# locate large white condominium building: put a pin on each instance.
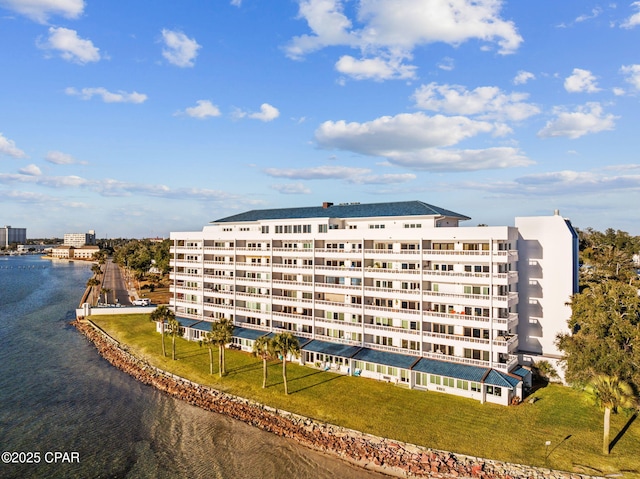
(392, 291)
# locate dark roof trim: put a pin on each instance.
(351, 210)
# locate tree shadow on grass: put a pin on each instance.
(623, 431)
(320, 380)
(316, 384)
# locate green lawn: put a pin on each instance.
(513, 434)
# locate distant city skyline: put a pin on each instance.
(139, 119)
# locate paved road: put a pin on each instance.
(114, 281)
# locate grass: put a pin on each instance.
(513, 434)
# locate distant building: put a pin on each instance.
(391, 291)
(71, 252)
(9, 235)
(80, 239)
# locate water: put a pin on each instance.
(57, 394)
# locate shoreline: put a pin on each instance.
(386, 456)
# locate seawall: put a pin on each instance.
(390, 457)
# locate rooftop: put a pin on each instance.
(348, 210)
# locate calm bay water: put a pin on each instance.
(57, 394)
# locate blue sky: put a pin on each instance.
(139, 118)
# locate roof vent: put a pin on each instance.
(556, 212)
(326, 205)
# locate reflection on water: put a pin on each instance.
(57, 394)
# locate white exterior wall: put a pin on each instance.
(210, 281)
(548, 249)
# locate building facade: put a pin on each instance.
(9, 235)
(393, 291)
(80, 239)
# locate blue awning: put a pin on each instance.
(248, 333)
(384, 358)
(188, 323)
(332, 349)
(466, 372)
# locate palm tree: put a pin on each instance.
(162, 314)
(222, 332)
(105, 291)
(610, 393)
(93, 281)
(285, 344)
(173, 328)
(263, 348)
(209, 342)
(96, 270)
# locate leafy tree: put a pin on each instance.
(162, 314)
(285, 344)
(222, 332)
(161, 255)
(608, 255)
(263, 348)
(544, 370)
(605, 325)
(609, 393)
(173, 329)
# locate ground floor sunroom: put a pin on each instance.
(415, 372)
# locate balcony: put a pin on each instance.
(330, 287)
(400, 313)
(391, 329)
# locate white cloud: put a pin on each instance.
(406, 131)
(203, 109)
(179, 50)
(588, 118)
(292, 189)
(107, 96)
(360, 176)
(384, 179)
(327, 172)
(565, 182)
(236, 3)
(447, 64)
(115, 188)
(436, 159)
(70, 46)
(41, 10)
(31, 170)
(581, 81)
(266, 113)
(374, 68)
(634, 19)
(390, 30)
(59, 158)
(523, 77)
(8, 147)
(632, 73)
(416, 141)
(486, 102)
(595, 12)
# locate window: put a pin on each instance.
(322, 228)
(475, 387)
(264, 229)
(435, 379)
(460, 384)
(449, 382)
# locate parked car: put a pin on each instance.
(141, 302)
